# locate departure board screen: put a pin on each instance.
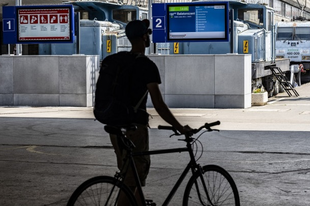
(197, 22)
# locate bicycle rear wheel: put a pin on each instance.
(101, 190)
(221, 188)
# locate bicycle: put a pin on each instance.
(209, 185)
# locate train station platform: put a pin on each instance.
(46, 152)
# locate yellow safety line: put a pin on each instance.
(32, 149)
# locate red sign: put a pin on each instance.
(44, 24)
(43, 19)
(53, 19)
(23, 19)
(63, 18)
(34, 19)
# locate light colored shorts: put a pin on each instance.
(140, 138)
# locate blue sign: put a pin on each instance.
(38, 24)
(159, 22)
(191, 22)
(9, 25)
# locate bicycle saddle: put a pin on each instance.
(117, 130)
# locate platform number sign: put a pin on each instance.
(159, 23)
(159, 26)
(8, 25)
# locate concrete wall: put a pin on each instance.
(188, 81)
(205, 81)
(47, 80)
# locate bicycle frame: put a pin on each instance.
(192, 165)
(100, 188)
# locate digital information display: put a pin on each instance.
(38, 24)
(197, 21)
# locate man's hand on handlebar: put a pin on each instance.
(185, 129)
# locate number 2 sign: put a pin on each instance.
(158, 22)
(159, 29)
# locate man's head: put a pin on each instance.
(139, 30)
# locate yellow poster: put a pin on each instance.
(176, 47)
(109, 45)
(245, 46)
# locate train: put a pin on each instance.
(293, 42)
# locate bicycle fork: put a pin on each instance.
(118, 177)
(200, 173)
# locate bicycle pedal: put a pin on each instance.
(150, 203)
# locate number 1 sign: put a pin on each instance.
(9, 25)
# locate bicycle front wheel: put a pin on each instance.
(102, 190)
(221, 189)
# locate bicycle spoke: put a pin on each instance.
(101, 191)
(94, 195)
(218, 188)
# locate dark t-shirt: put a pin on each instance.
(144, 71)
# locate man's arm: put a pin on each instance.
(162, 109)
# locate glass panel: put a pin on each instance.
(302, 33)
(295, 11)
(144, 16)
(124, 15)
(288, 10)
(270, 21)
(277, 6)
(270, 3)
(254, 16)
(285, 33)
(84, 15)
(282, 9)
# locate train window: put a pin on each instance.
(269, 21)
(302, 33)
(254, 16)
(124, 15)
(285, 33)
(84, 15)
(143, 16)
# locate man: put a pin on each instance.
(145, 77)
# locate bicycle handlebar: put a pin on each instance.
(193, 131)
